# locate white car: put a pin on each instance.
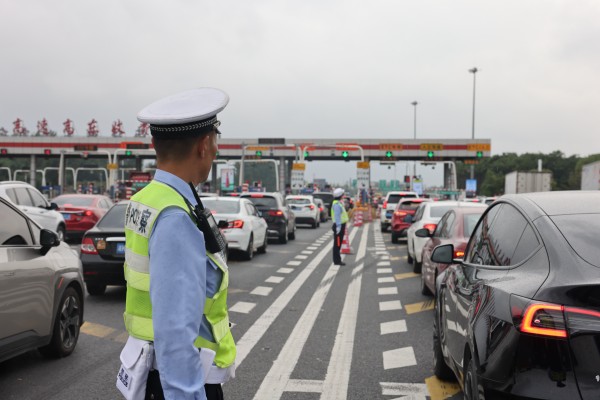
(305, 210)
(427, 216)
(33, 203)
(246, 230)
(389, 205)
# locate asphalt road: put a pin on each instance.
(305, 329)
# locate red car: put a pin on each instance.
(400, 223)
(454, 228)
(81, 211)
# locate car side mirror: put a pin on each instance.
(48, 239)
(423, 232)
(53, 206)
(222, 224)
(443, 254)
(409, 219)
(260, 214)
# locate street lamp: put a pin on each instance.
(414, 103)
(474, 72)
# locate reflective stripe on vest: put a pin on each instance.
(140, 217)
(344, 216)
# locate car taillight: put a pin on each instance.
(385, 204)
(274, 213)
(87, 246)
(430, 227)
(311, 207)
(88, 213)
(320, 208)
(580, 320)
(544, 320)
(399, 213)
(237, 224)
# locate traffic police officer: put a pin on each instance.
(340, 218)
(177, 288)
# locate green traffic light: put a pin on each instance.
(306, 154)
(345, 154)
(430, 154)
(479, 154)
(388, 154)
(128, 153)
(258, 153)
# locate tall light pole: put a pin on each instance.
(474, 72)
(414, 103)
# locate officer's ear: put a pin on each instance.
(202, 145)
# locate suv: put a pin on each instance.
(305, 210)
(41, 282)
(402, 216)
(33, 203)
(327, 198)
(389, 204)
(281, 222)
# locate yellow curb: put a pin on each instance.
(419, 307)
(439, 390)
(405, 275)
(90, 328)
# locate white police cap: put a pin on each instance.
(186, 114)
(338, 192)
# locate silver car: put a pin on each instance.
(41, 288)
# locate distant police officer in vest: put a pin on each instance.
(177, 277)
(340, 218)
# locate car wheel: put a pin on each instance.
(472, 389)
(314, 224)
(95, 289)
(394, 237)
(440, 368)
(383, 227)
(263, 249)
(410, 259)
(249, 253)
(61, 232)
(292, 234)
(424, 289)
(284, 236)
(66, 326)
(416, 266)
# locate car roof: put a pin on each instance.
(556, 203)
(457, 204)
(15, 183)
(223, 198)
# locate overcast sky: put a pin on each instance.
(315, 68)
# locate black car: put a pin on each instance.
(280, 219)
(327, 198)
(519, 315)
(103, 251)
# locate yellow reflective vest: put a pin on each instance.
(344, 217)
(140, 217)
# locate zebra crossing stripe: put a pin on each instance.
(393, 327)
(399, 358)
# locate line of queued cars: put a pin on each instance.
(516, 286)
(247, 221)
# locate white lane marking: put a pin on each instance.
(398, 358)
(384, 257)
(301, 257)
(383, 263)
(306, 252)
(275, 382)
(381, 252)
(384, 270)
(390, 305)
(387, 279)
(393, 327)
(284, 270)
(382, 291)
(274, 279)
(294, 263)
(262, 290)
(312, 248)
(406, 391)
(304, 386)
(362, 247)
(262, 324)
(242, 307)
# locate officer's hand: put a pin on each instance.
(338, 229)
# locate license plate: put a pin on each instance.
(120, 249)
(67, 217)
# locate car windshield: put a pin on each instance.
(326, 197)
(409, 205)
(74, 201)
(439, 211)
(222, 207)
(114, 218)
(298, 201)
(395, 198)
(263, 202)
(581, 231)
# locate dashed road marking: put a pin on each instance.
(419, 307)
(262, 290)
(385, 279)
(274, 279)
(393, 327)
(395, 258)
(294, 263)
(399, 358)
(390, 305)
(301, 257)
(242, 307)
(384, 270)
(383, 264)
(387, 290)
(284, 270)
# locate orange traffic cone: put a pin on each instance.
(358, 219)
(346, 249)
